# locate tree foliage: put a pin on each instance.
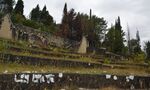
(135, 45)
(35, 14)
(64, 27)
(75, 25)
(45, 17)
(138, 48)
(19, 8)
(10, 4)
(115, 38)
(147, 49)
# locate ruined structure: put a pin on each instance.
(5, 30)
(83, 46)
(8, 30)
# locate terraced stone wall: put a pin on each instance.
(57, 81)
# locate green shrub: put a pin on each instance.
(31, 23)
(17, 18)
(3, 46)
(139, 57)
(107, 61)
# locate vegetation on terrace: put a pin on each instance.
(74, 25)
(19, 68)
(119, 67)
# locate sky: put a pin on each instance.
(135, 13)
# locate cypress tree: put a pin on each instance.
(138, 46)
(147, 49)
(64, 25)
(119, 37)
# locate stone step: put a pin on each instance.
(32, 60)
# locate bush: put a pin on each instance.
(31, 23)
(139, 57)
(20, 19)
(107, 61)
(17, 18)
(3, 46)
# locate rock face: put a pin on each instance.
(83, 45)
(5, 30)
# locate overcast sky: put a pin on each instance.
(134, 12)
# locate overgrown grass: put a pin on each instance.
(27, 51)
(19, 68)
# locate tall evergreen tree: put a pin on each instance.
(119, 37)
(78, 27)
(137, 49)
(71, 18)
(45, 17)
(41, 16)
(10, 4)
(115, 38)
(110, 39)
(19, 8)
(147, 49)
(138, 37)
(65, 25)
(129, 40)
(35, 14)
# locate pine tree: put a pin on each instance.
(19, 8)
(41, 16)
(45, 17)
(119, 37)
(147, 49)
(137, 49)
(129, 40)
(65, 25)
(77, 31)
(71, 18)
(35, 14)
(110, 39)
(115, 38)
(10, 4)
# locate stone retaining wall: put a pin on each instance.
(49, 81)
(46, 61)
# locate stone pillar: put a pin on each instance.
(5, 31)
(83, 46)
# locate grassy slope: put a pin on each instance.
(18, 68)
(14, 67)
